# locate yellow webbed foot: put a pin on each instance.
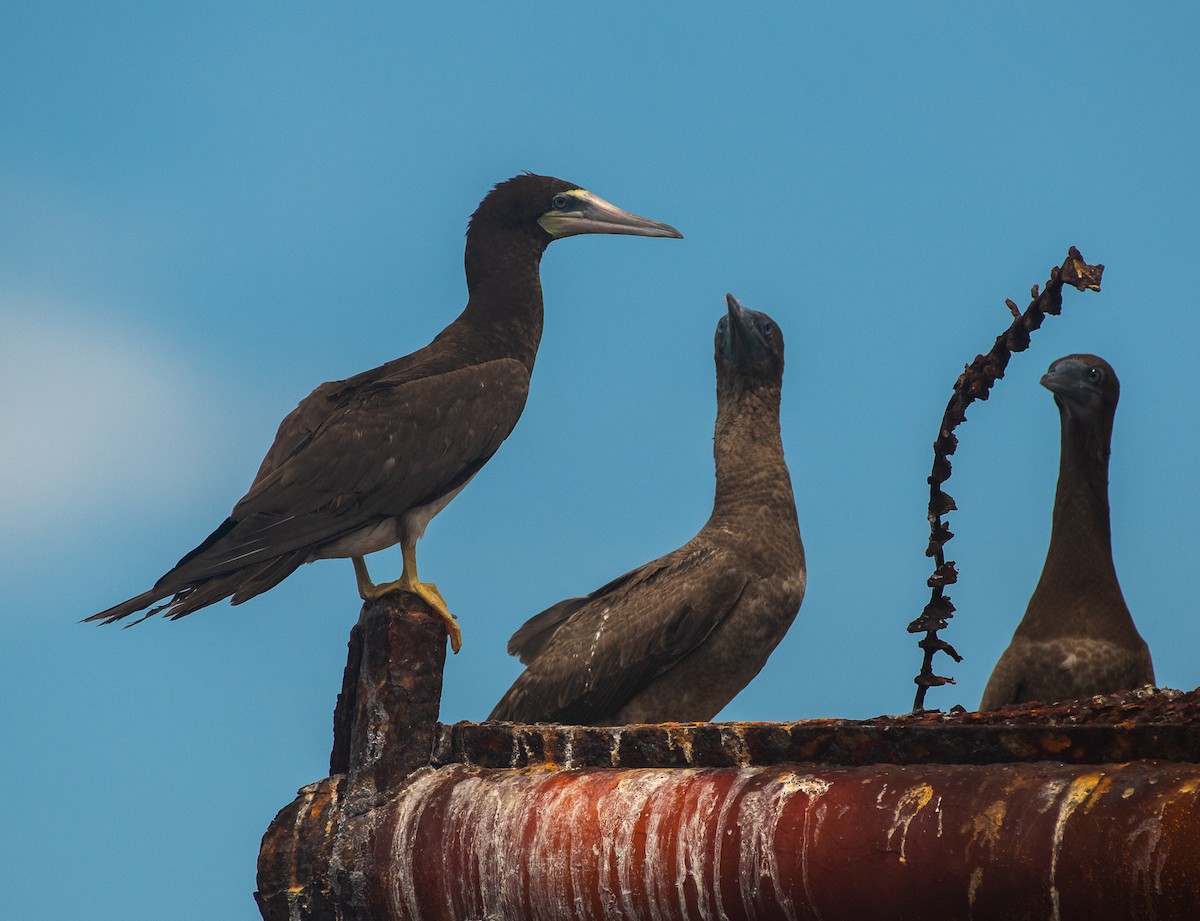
(426, 591)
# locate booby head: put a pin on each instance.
(554, 208)
(1084, 386)
(749, 343)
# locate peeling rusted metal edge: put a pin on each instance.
(1157, 724)
(832, 742)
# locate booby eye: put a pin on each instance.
(561, 202)
(1095, 375)
(768, 327)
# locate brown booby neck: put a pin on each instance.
(1079, 579)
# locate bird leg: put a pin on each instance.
(408, 582)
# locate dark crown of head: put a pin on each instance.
(519, 201)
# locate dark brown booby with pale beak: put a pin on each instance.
(1077, 637)
(364, 463)
(678, 638)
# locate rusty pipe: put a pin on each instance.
(1002, 842)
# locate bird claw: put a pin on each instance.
(427, 592)
(453, 631)
(431, 593)
(431, 596)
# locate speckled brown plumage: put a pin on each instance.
(364, 463)
(678, 638)
(1077, 637)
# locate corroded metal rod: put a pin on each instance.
(386, 716)
(384, 728)
(973, 384)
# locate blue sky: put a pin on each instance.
(206, 212)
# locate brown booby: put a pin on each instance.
(364, 463)
(678, 638)
(1077, 637)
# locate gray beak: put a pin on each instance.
(738, 335)
(595, 215)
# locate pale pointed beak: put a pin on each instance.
(595, 215)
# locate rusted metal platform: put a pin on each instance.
(1081, 811)
(1162, 724)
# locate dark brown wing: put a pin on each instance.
(382, 449)
(532, 636)
(390, 448)
(589, 656)
(316, 409)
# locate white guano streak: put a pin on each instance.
(908, 805)
(402, 895)
(814, 788)
(696, 808)
(1077, 793)
(662, 831)
(760, 812)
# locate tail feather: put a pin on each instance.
(243, 584)
(267, 575)
(200, 595)
(133, 605)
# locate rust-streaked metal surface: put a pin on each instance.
(789, 842)
(297, 856)
(1076, 811)
(384, 725)
(386, 716)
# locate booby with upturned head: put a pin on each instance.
(1077, 637)
(678, 638)
(364, 463)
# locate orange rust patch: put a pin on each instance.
(1102, 788)
(1055, 743)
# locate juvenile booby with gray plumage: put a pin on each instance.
(678, 638)
(1077, 637)
(364, 463)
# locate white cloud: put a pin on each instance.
(89, 415)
